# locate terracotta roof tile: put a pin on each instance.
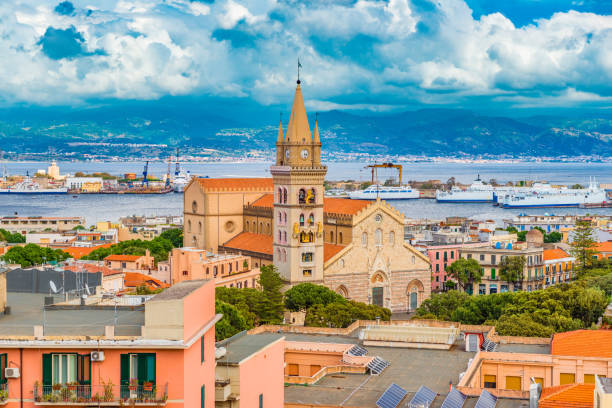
(265, 184)
(122, 258)
(79, 252)
(584, 343)
(330, 250)
(136, 279)
(604, 246)
(266, 201)
(344, 205)
(568, 396)
(91, 268)
(556, 253)
(248, 241)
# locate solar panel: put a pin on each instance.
(377, 365)
(488, 345)
(454, 399)
(423, 398)
(486, 400)
(391, 397)
(357, 351)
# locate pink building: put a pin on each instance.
(441, 256)
(239, 381)
(163, 355)
(229, 270)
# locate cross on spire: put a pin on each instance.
(299, 65)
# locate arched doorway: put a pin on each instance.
(342, 291)
(378, 283)
(415, 291)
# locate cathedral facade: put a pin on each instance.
(354, 247)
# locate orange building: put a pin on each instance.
(161, 356)
(130, 262)
(558, 266)
(604, 250)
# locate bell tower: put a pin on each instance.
(298, 198)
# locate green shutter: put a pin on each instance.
(146, 367)
(492, 273)
(125, 369)
(202, 349)
(47, 374)
(260, 400)
(202, 397)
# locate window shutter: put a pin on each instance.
(260, 400)
(125, 369)
(202, 349)
(146, 367)
(202, 397)
(2, 367)
(47, 374)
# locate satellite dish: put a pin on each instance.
(87, 289)
(53, 287)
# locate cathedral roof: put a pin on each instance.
(298, 127)
(248, 241)
(331, 205)
(244, 183)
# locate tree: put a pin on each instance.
(174, 235)
(271, 284)
(466, 272)
(11, 238)
(342, 314)
(78, 228)
(577, 187)
(511, 269)
(233, 321)
(305, 295)
(32, 254)
(442, 305)
(553, 237)
(583, 245)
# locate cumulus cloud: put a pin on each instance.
(360, 54)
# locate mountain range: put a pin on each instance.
(434, 132)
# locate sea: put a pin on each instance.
(108, 207)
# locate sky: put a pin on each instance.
(360, 55)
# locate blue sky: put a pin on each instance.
(371, 55)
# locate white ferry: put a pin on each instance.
(385, 193)
(558, 198)
(477, 192)
(30, 187)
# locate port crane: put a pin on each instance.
(145, 174)
(386, 166)
(168, 173)
(177, 169)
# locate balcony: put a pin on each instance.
(3, 394)
(104, 395)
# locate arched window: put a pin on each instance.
(331, 236)
(247, 227)
(222, 269)
(311, 236)
(340, 237)
(301, 220)
(364, 239)
(310, 196)
(280, 217)
(284, 195)
(284, 255)
(284, 217)
(378, 237)
(280, 236)
(194, 206)
(260, 228)
(189, 226)
(279, 197)
(229, 267)
(413, 259)
(195, 241)
(302, 196)
(200, 226)
(246, 283)
(267, 228)
(392, 238)
(215, 271)
(207, 270)
(311, 219)
(285, 237)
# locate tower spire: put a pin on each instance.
(281, 136)
(315, 136)
(298, 67)
(298, 129)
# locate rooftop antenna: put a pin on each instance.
(299, 65)
(53, 287)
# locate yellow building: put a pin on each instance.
(354, 247)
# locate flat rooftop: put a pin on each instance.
(27, 312)
(179, 291)
(243, 346)
(524, 348)
(409, 368)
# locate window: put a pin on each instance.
(202, 349)
(589, 378)
(392, 238)
(490, 381)
(285, 197)
(302, 196)
(445, 256)
(260, 400)
(301, 220)
(194, 206)
(185, 273)
(215, 271)
(437, 267)
(493, 259)
(413, 259)
(482, 257)
(66, 368)
(207, 270)
(437, 255)
(567, 378)
(339, 237)
(307, 272)
(469, 256)
(378, 237)
(364, 239)
(493, 273)
(482, 289)
(306, 237)
(229, 267)
(311, 219)
(331, 236)
(307, 257)
(3, 365)
(539, 380)
(202, 397)
(452, 254)
(513, 383)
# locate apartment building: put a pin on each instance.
(23, 225)
(161, 354)
(441, 256)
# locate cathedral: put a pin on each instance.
(354, 247)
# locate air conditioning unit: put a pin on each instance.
(97, 356)
(11, 372)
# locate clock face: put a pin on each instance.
(304, 154)
(287, 153)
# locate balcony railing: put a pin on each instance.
(3, 394)
(101, 395)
